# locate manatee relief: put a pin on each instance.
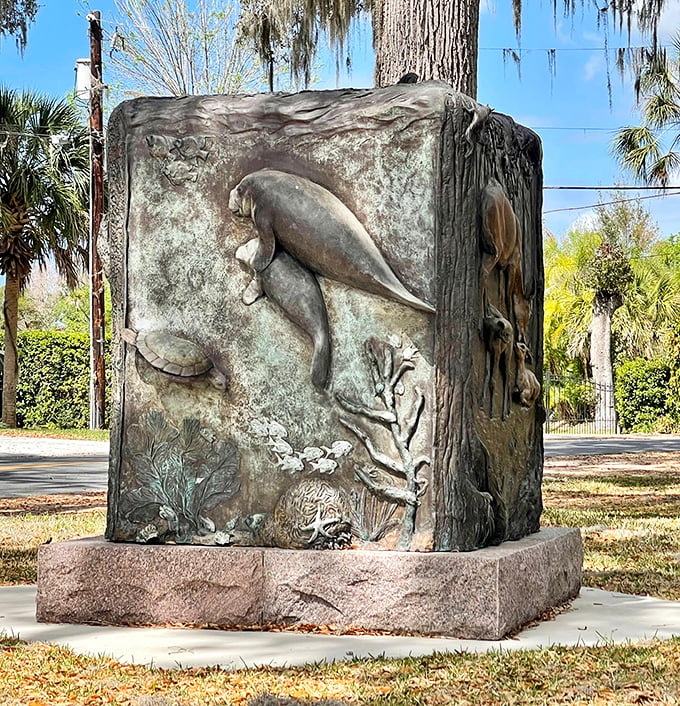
(302, 225)
(327, 321)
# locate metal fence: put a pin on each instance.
(577, 406)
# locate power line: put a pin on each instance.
(609, 203)
(560, 49)
(579, 128)
(614, 188)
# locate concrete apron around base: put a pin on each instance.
(475, 595)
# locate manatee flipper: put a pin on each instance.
(296, 291)
(267, 240)
(321, 360)
(253, 291)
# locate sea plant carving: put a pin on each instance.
(181, 474)
(372, 519)
(319, 459)
(180, 157)
(388, 364)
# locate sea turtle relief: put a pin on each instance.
(327, 339)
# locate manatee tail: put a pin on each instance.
(415, 303)
(321, 360)
(403, 296)
(385, 283)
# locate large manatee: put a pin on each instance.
(296, 292)
(314, 226)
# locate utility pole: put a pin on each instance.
(97, 365)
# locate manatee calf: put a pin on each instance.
(316, 228)
(295, 290)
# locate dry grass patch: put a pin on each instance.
(51, 504)
(22, 534)
(628, 508)
(631, 518)
(39, 674)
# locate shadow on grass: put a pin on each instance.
(641, 481)
(590, 509)
(635, 583)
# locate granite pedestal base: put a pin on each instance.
(476, 595)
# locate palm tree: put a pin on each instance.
(603, 283)
(651, 150)
(646, 324)
(44, 171)
(568, 299)
(437, 39)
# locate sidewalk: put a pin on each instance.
(595, 617)
(47, 447)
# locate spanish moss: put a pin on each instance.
(288, 31)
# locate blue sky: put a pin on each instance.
(569, 110)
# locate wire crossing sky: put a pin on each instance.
(559, 87)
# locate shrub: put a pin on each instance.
(53, 386)
(642, 396)
(576, 400)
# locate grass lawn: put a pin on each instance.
(84, 434)
(628, 508)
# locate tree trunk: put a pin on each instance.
(436, 39)
(604, 307)
(11, 369)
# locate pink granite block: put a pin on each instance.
(482, 594)
(476, 595)
(545, 566)
(95, 581)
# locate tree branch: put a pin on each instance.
(377, 415)
(380, 459)
(400, 496)
(419, 462)
(405, 366)
(411, 424)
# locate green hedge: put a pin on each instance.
(643, 401)
(53, 386)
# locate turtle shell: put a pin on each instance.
(172, 354)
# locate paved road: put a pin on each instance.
(21, 476)
(32, 467)
(558, 445)
(39, 466)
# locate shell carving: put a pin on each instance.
(175, 356)
(312, 514)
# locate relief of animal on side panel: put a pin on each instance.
(498, 339)
(504, 332)
(182, 360)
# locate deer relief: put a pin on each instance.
(527, 387)
(521, 310)
(501, 242)
(498, 335)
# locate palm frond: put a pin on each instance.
(43, 184)
(644, 150)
